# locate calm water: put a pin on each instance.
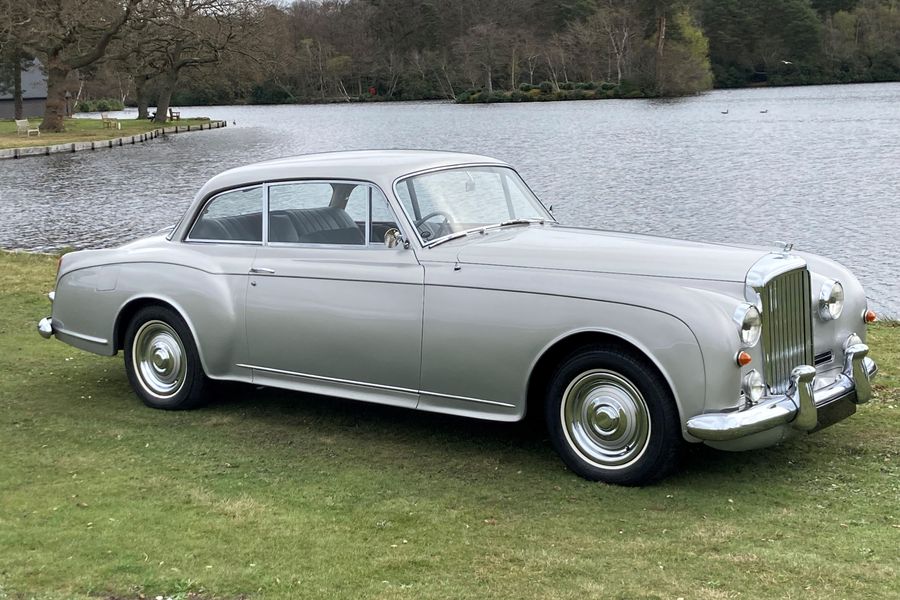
(821, 168)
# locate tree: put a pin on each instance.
(198, 32)
(67, 35)
(483, 46)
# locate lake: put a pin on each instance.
(816, 166)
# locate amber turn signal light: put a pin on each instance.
(869, 316)
(743, 359)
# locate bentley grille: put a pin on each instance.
(786, 327)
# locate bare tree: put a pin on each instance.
(67, 35)
(198, 32)
(617, 21)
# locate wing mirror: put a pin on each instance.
(393, 238)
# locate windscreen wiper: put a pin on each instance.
(519, 222)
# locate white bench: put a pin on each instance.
(23, 128)
(108, 122)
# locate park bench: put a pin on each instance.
(174, 115)
(108, 122)
(23, 128)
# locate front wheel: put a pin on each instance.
(162, 361)
(612, 418)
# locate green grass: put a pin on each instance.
(80, 130)
(267, 494)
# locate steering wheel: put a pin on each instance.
(433, 214)
(445, 224)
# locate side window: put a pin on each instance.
(382, 218)
(315, 213)
(234, 216)
(358, 204)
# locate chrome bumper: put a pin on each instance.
(45, 325)
(798, 407)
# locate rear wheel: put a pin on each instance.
(162, 361)
(611, 417)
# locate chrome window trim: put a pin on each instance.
(367, 245)
(411, 221)
(223, 242)
(189, 240)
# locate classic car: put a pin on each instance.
(438, 281)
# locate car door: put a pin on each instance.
(330, 307)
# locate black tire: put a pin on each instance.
(612, 417)
(162, 362)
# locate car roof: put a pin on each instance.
(379, 166)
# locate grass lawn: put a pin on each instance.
(266, 494)
(80, 130)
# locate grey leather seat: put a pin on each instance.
(325, 225)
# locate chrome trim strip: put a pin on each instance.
(331, 379)
(372, 385)
(468, 399)
(80, 336)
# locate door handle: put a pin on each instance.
(261, 271)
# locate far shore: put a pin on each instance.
(546, 97)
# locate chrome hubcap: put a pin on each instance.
(159, 359)
(605, 419)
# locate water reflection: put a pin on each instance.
(818, 169)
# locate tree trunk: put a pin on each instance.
(489, 76)
(17, 87)
(55, 109)
(165, 97)
(140, 92)
(660, 45)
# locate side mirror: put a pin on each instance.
(393, 238)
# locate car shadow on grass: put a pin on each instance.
(524, 443)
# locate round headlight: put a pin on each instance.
(831, 300)
(750, 322)
(754, 387)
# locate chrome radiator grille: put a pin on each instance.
(786, 327)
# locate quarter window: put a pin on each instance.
(234, 216)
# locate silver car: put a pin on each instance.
(438, 281)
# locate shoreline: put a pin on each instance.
(128, 140)
(382, 100)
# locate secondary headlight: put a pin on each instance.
(753, 385)
(831, 300)
(750, 322)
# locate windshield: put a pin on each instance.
(445, 202)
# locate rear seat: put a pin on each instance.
(326, 225)
(238, 228)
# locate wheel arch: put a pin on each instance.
(132, 306)
(553, 354)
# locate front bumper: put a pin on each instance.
(799, 407)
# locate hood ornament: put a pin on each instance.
(786, 247)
